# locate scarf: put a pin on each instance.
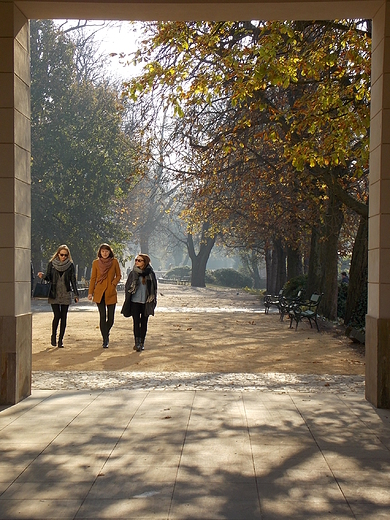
(104, 265)
(61, 266)
(150, 288)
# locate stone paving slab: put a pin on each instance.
(126, 453)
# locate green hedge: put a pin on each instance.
(232, 278)
(223, 277)
(294, 285)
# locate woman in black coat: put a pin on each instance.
(61, 275)
(141, 294)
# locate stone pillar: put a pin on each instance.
(15, 206)
(378, 316)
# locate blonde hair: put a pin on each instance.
(64, 246)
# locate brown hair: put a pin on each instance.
(64, 246)
(108, 248)
(145, 257)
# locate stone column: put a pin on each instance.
(378, 316)
(15, 206)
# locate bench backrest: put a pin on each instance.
(315, 300)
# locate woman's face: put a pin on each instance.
(63, 255)
(105, 253)
(140, 262)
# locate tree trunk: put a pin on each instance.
(329, 257)
(294, 263)
(199, 261)
(314, 274)
(276, 268)
(274, 272)
(358, 271)
(268, 271)
(251, 262)
(178, 255)
(281, 266)
(254, 260)
(144, 243)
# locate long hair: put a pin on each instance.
(107, 248)
(64, 246)
(146, 258)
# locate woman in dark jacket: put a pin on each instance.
(61, 274)
(141, 288)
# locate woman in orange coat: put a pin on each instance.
(105, 276)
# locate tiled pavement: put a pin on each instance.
(194, 454)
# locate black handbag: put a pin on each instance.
(126, 307)
(41, 290)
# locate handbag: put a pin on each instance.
(41, 290)
(126, 307)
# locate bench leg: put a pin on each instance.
(316, 322)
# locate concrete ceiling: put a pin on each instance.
(201, 10)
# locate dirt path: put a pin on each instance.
(196, 330)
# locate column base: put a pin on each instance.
(15, 358)
(378, 361)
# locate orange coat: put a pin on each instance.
(107, 286)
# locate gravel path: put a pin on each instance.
(282, 383)
(175, 301)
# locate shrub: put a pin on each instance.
(232, 278)
(294, 285)
(342, 299)
(209, 277)
(358, 318)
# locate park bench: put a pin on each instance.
(274, 300)
(306, 309)
(184, 280)
(287, 304)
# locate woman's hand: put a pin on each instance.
(76, 299)
(89, 296)
(40, 274)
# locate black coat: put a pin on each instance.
(52, 276)
(149, 306)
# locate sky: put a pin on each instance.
(121, 38)
(118, 37)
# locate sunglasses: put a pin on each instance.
(63, 254)
(139, 260)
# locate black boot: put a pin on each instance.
(142, 343)
(53, 339)
(60, 343)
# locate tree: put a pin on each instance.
(199, 260)
(82, 162)
(300, 90)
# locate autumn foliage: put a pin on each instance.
(272, 132)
